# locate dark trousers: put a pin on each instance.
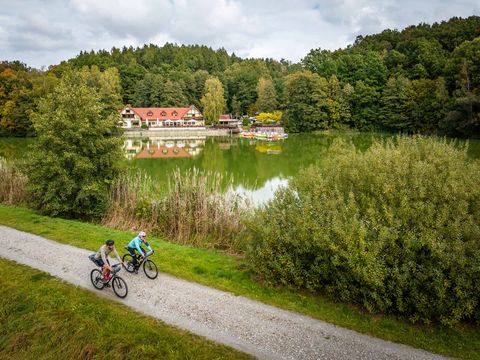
(98, 262)
(132, 252)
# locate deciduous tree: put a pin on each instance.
(77, 154)
(266, 95)
(306, 102)
(213, 101)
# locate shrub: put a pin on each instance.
(395, 229)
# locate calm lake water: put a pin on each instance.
(257, 167)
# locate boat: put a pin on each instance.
(261, 136)
(247, 134)
(270, 136)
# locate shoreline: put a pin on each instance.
(176, 133)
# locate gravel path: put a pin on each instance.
(261, 330)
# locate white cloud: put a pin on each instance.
(41, 32)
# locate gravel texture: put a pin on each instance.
(255, 328)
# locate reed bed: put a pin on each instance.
(195, 209)
(12, 184)
(130, 203)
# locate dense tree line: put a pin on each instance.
(20, 86)
(424, 78)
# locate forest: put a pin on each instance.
(422, 79)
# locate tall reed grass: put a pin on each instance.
(12, 184)
(195, 209)
(130, 202)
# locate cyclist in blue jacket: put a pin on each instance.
(136, 245)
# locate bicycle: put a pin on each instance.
(119, 285)
(149, 267)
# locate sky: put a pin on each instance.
(45, 32)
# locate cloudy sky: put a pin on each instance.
(45, 32)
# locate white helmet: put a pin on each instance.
(142, 234)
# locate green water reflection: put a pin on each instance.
(257, 167)
(250, 162)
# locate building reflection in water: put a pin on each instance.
(163, 147)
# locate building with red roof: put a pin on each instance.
(161, 117)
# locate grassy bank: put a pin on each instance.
(43, 317)
(231, 274)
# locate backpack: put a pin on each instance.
(95, 261)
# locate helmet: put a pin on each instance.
(109, 242)
(142, 234)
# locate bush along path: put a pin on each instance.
(261, 330)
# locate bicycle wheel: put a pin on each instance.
(128, 259)
(96, 278)
(119, 287)
(150, 269)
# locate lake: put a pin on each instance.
(257, 167)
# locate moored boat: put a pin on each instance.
(261, 136)
(270, 136)
(247, 134)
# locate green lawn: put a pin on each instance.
(41, 317)
(231, 274)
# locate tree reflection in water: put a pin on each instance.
(257, 167)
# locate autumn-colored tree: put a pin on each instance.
(20, 87)
(275, 116)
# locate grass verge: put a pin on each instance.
(43, 317)
(229, 273)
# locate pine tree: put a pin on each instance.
(393, 112)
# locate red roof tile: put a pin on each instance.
(161, 113)
(162, 152)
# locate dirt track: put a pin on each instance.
(261, 330)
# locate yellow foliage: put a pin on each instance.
(8, 74)
(7, 108)
(274, 116)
